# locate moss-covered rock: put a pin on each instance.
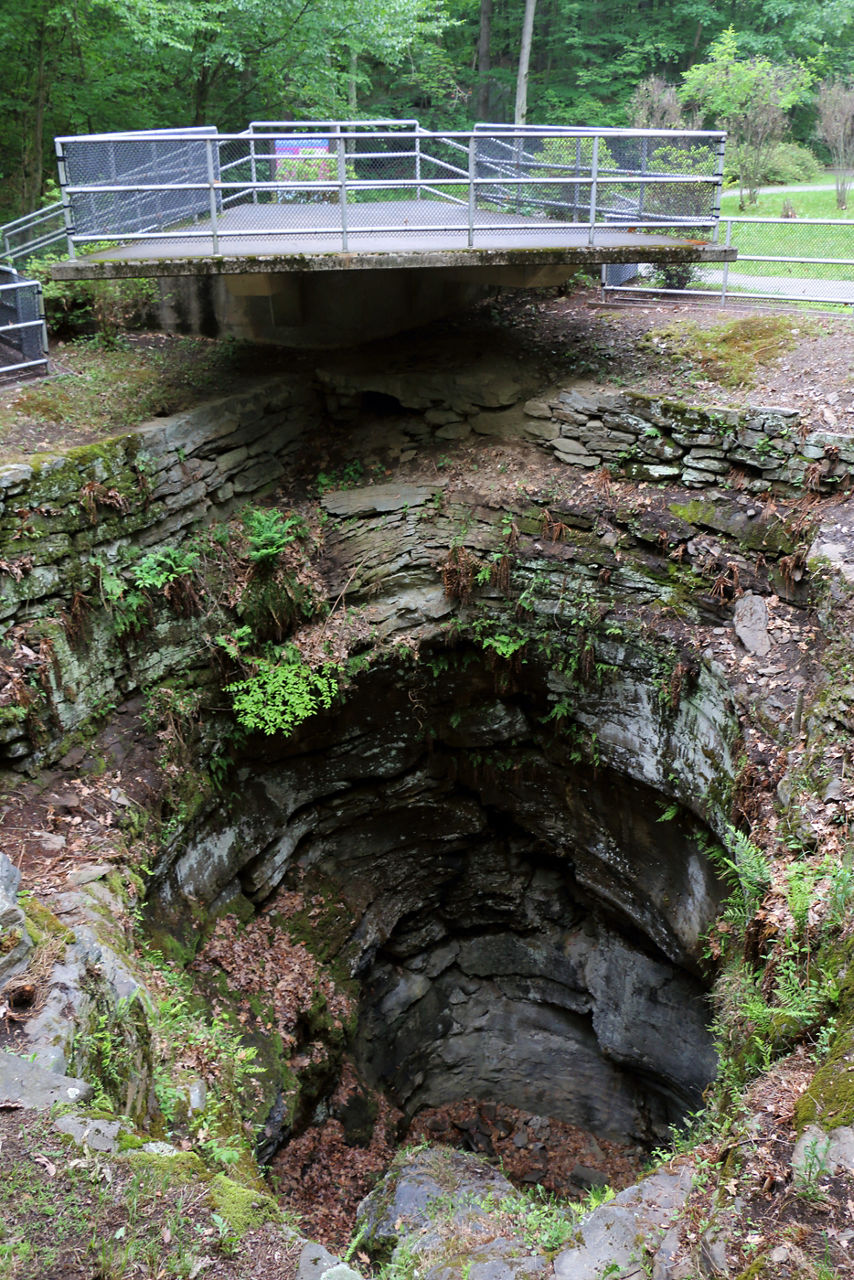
(242, 1207)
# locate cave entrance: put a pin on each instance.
(524, 894)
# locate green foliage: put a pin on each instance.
(790, 162)
(840, 897)
(269, 533)
(100, 307)
(505, 641)
(129, 608)
(749, 98)
(283, 693)
(103, 391)
(272, 602)
(543, 1221)
(346, 477)
(732, 352)
(158, 569)
(183, 1026)
(747, 873)
(107, 1050)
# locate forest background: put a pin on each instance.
(84, 66)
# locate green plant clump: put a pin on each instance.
(269, 533)
(283, 693)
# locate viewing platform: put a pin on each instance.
(323, 233)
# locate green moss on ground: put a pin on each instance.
(241, 1207)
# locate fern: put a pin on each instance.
(283, 693)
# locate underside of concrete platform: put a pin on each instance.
(407, 263)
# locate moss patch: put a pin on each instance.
(241, 1207)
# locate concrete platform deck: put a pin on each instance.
(410, 234)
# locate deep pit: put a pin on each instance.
(468, 901)
(519, 906)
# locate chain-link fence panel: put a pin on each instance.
(32, 235)
(120, 184)
(779, 259)
(23, 336)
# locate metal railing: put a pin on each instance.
(286, 178)
(779, 260)
(29, 236)
(23, 334)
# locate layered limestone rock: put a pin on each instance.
(522, 925)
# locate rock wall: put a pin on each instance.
(64, 519)
(522, 926)
(654, 439)
(641, 436)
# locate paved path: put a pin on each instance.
(794, 288)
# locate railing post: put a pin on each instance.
(718, 174)
(342, 186)
(67, 211)
(594, 174)
(417, 162)
(253, 167)
(42, 321)
(725, 274)
(576, 197)
(209, 145)
(472, 175)
(644, 163)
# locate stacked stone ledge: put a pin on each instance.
(144, 489)
(652, 439)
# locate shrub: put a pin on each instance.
(102, 307)
(787, 162)
(269, 533)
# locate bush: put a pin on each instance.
(792, 162)
(104, 307)
(282, 693)
(787, 162)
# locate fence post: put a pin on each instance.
(576, 197)
(253, 167)
(594, 174)
(719, 175)
(417, 162)
(644, 163)
(472, 174)
(342, 185)
(67, 210)
(725, 273)
(209, 142)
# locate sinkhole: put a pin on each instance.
(522, 865)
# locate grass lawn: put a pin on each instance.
(806, 204)
(792, 238)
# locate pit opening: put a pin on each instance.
(520, 898)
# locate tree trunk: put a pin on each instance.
(33, 158)
(521, 112)
(484, 40)
(352, 94)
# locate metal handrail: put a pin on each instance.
(186, 175)
(30, 245)
(801, 287)
(26, 333)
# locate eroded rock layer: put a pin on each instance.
(523, 925)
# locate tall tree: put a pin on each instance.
(484, 44)
(749, 97)
(520, 113)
